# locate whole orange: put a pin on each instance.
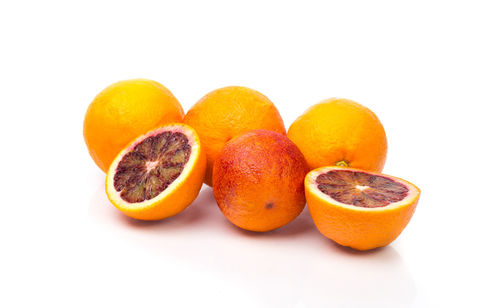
(124, 111)
(340, 132)
(259, 180)
(228, 112)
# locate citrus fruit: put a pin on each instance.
(259, 180)
(340, 132)
(122, 112)
(159, 174)
(228, 112)
(359, 209)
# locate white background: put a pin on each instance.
(429, 69)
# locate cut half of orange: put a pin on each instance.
(359, 209)
(158, 174)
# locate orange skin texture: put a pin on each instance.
(124, 111)
(187, 188)
(229, 112)
(259, 181)
(337, 130)
(360, 230)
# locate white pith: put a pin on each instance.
(194, 156)
(361, 187)
(150, 165)
(310, 182)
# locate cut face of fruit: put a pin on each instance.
(360, 188)
(359, 209)
(151, 166)
(154, 168)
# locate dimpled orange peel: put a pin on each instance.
(229, 112)
(122, 112)
(259, 180)
(340, 132)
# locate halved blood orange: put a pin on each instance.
(359, 209)
(159, 174)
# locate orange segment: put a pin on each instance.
(159, 174)
(229, 112)
(359, 209)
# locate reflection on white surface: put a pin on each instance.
(291, 267)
